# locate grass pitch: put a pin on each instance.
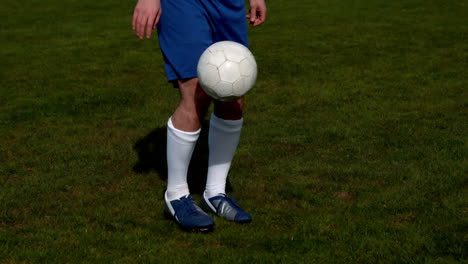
(354, 148)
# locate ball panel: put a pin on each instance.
(217, 58)
(208, 75)
(239, 88)
(229, 72)
(245, 67)
(223, 89)
(234, 53)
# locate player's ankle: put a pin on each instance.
(174, 195)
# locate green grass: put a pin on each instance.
(354, 148)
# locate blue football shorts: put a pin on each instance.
(187, 27)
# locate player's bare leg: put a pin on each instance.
(183, 129)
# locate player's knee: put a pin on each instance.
(231, 110)
(202, 101)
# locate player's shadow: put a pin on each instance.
(151, 151)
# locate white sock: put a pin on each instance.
(223, 139)
(180, 145)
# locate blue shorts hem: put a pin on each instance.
(189, 75)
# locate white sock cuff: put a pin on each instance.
(226, 125)
(180, 136)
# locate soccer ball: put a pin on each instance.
(227, 70)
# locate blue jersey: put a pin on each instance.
(187, 27)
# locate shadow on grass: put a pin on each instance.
(151, 151)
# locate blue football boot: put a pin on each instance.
(188, 215)
(226, 207)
